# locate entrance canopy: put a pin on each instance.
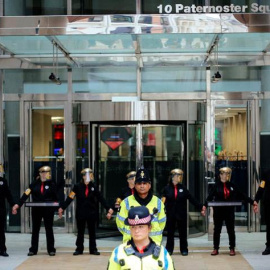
(209, 40)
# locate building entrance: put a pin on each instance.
(160, 147)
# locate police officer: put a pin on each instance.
(43, 189)
(175, 197)
(141, 252)
(4, 194)
(264, 194)
(224, 191)
(88, 196)
(128, 190)
(143, 196)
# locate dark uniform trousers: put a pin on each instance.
(224, 214)
(47, 213)
(91, 225)
(4, 194)
(2, 231)
(182, 230)
(267, 221)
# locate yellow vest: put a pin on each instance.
(121, 260)
(158, 223)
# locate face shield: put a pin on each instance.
(87, 175)
(45, 173)
(177, 176)
(225, 174)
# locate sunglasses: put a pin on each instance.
(225, 173)
(178, 174)
(44, 171)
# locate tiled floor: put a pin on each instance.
(249, 248)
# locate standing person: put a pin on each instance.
(88, 196)
(128, 190)
(43, 189)
(175, 197)
(224, 191)
(5, 193)
(264, 194)
(143, 196)
(141, 252)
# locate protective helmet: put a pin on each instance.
(86, 170)
(131, 174)
(226, 170)
(177, 172)
(45, 169)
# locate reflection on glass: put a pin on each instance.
(163, 150)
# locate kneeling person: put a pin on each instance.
(141, 252)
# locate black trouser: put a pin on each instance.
(267, 221)
(47, 213)
(182, 230)
(224, 214)
(2, 232)
(91, 225)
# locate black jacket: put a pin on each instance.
(263, 192)
(177, 208)
(217, 193)
(49, 194)
(86, 207)
(5, 194)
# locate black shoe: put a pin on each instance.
(31, 253)
(184, 253)
(95, 252)
(52, 253)
(77, 253)
(4, 254)
(170, 252)
(267, 251)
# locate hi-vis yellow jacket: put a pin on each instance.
(158, 223)
(124, 257)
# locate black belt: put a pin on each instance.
(224, 203)
(41, 204)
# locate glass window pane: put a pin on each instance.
(35, 7)
(173, 79)
(235, 79)
(105, 80)
(34, 82)
(103, 7)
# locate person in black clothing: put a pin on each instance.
(175, 197)
(126, 191)
(263, 193)
(224, 191)
(4, 194)
(43, 189)
(88, 197)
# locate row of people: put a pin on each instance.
(175, 197)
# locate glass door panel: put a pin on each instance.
(117, 157)
(231, 151)
(163, 150)
(47, 143)
(196, 175)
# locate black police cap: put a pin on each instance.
(142, 175)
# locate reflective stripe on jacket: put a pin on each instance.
(120, 260)
(158, 223)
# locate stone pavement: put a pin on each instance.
(249, 248)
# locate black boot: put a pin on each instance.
(267, 251)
